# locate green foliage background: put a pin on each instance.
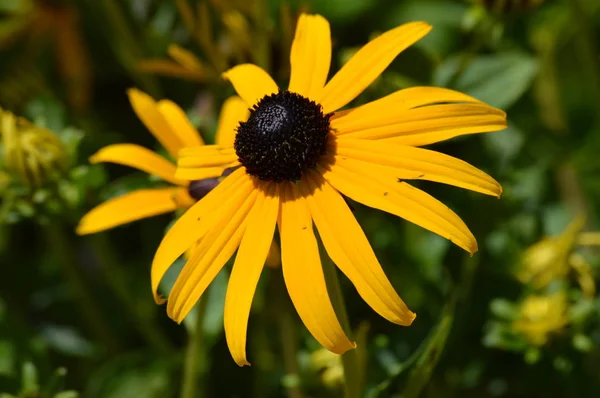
(76, 313)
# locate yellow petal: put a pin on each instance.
(421, 126)
(303, 273)
(310, 57)
(147, 111)
(180, 124)
(405, 99)
(166, 67)
(130, 207)
(222, 239)
(185, 58)
(248, 265)
(192, 225)
(380, 188)
(349, 248)
(368, 63)
(169, 68)
(139, 158)
(193, 174)
(233, 111)
(411, 163)
(205, 162)
(251, 82)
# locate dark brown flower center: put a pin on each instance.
(284, 136)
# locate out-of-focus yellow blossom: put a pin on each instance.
(32, 25)
(540, 316)
(33, 154)
(330, 365)
(552, 258)
(184, 65)
(243, 33)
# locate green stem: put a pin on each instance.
(352, 371)
(64, 251)
(194, 354)
(287, 330)
(586, 45)
(142, 319)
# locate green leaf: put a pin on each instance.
(422, 363)
(500, 79)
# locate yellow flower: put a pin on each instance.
(169, 124)
(553, 258)
(34, 154)
(297, 156)
(541, 315)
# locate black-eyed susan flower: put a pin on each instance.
(171, 127)
(296, 158)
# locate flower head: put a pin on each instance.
(540, 316)
(295, 158)
(34, 154)
(171, 127)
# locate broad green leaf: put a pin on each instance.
(499, 79)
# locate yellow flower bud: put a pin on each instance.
(35, 155)
(540, 316)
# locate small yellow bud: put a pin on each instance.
(540, 316)
(33, 154)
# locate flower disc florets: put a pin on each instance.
(284, 136)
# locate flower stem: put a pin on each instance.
(143, 321)
(194, 355)
(287, 330)
(90, 311)
(352, 371)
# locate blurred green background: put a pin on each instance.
(518, 319)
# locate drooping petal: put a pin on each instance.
(251, 82)
(131, 207)
(247, 268)
(180, 124)
(368, 63)
(139, 158)
(147, 111)
(349, 248)
(421, 126)
(233, 111)
(303, 273)
(222, 239)
(410, 163)
(378, 187)
(310, 57)
(205, 162)
(193, 224)
(405, 99)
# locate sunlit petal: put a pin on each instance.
(310, 57)
(130, 207)
(411, 163)
(221, 241)
(194, 223)
(147, 111)
(139, 158)
(368, 63)
(349, 248)
(303, 273)
(248, 265)
(251, 82)
(180, 124)
(378, 187)
(423, 125)
(233, 111)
